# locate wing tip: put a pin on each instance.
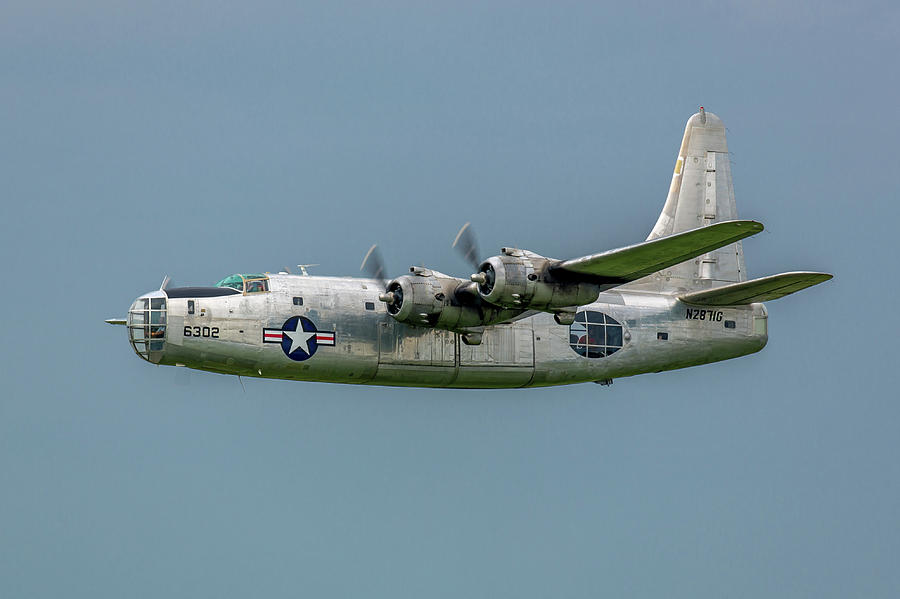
(812, 274)
(753, 225)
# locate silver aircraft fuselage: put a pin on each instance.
(359, 342)
(680, 298)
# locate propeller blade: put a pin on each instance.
(373, 266)
(466, 245)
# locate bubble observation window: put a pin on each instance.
(595, 335)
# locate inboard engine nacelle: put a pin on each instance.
(432, 299)
(521, 279)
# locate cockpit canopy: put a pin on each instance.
(253, 283)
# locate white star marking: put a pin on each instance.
(300, 337)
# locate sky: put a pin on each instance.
(202, 139)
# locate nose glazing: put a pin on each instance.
(147, 326)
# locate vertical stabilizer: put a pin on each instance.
(701, 193)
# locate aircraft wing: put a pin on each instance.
(756, 290)
(635, 261)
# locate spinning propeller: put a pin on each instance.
(466, 245)
(373, 265)
(392, 294)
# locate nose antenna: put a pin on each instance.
(165, 283)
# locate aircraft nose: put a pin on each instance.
(147, 326)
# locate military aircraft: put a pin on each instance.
(680, 298)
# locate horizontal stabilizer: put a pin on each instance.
(636, 261)
(757, 290)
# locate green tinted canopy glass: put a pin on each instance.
(234, 281)
(237, 281)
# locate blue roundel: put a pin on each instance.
(299, 338)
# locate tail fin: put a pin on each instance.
(701, 194)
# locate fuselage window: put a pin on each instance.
(370, 305)
(595, 335)
(298, 301)
(730, 324)
(190, 306)
(662, 336)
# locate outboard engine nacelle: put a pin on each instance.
(432, 299)
(521, 279)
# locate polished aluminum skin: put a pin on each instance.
(679, 299)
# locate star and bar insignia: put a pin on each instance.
(299, 338)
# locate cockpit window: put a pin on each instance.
(253, 283)
(256, 286)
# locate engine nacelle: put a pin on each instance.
(431, 299)
(521, 279)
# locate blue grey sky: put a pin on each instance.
(141, 139)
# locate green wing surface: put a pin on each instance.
(757, 290)
(639, 260)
